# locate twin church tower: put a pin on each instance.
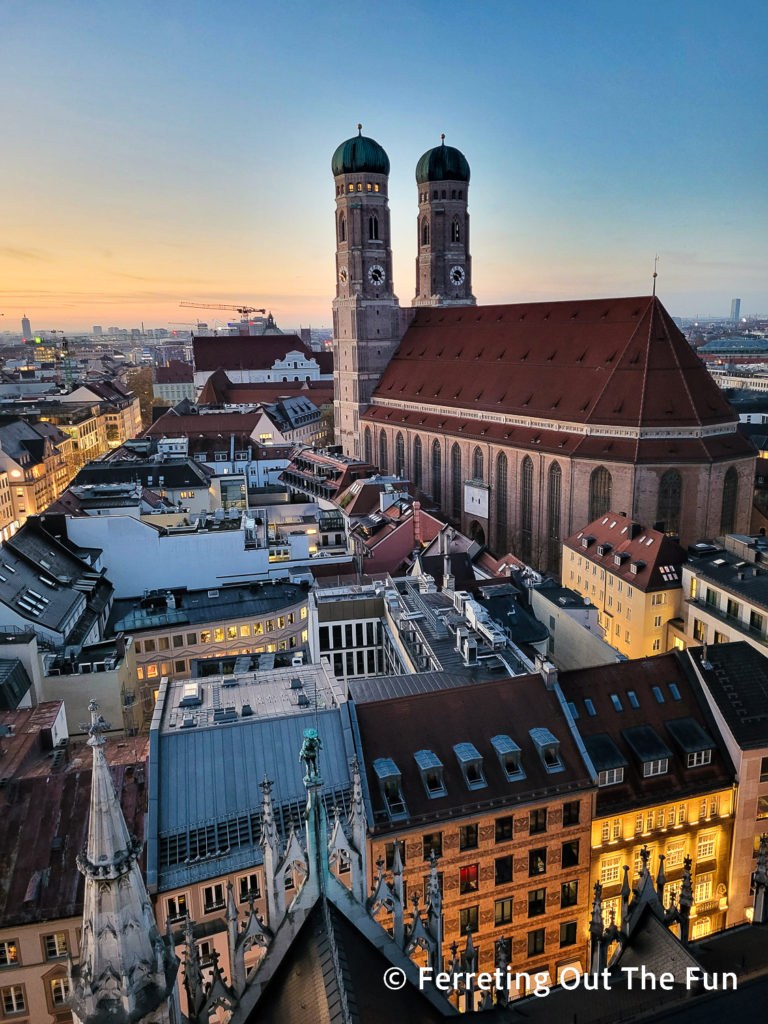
(368, 322)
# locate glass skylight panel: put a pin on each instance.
(658, 694)
(674, 691)
(616, 702)
(573, 709)
(632, 697)
(590, 707)
(467, 752)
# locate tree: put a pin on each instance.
(141, 382)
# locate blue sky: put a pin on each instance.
(164, 151)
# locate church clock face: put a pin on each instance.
(376, 274)
(343, 275)
(457, 275)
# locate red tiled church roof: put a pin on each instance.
(615, 362)
(245, 352)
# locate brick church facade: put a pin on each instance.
(523, 421)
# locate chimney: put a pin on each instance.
(635, 529)
(417, 522)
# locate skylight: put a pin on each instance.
(431, 768)
(674, 691)
(632, 697)
(658, 694)
(590, 707)
(509, 756)
(616, 702)
(471, 764)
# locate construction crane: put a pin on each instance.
(242, 310)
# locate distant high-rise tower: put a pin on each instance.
(366, 313)
(26, 328)
(735, 309)
(98, 331)
(443, 263)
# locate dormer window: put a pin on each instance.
(657, 767)
(698, 758)
(548, 747)
(508, 753)
(431, 768)
(390, 783)
(610, 777)
(471, 764)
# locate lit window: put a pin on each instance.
(249, 888)
(218, 634)
(706, 845)
(468, 878)
(59, 991)
(9, 953)
(152, 671)
(55, 945)
(502, 912)
(205, 636)
(609, 870)
(658, 767)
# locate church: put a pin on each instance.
(526, 421)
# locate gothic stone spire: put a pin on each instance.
(127, 970)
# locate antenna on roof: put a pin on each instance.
(655, 274)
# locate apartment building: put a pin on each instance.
(490, 777)
(726, 598)
(632, 575)
(734, 679)
(173, 628)
(666, 781)
(35, 466)
(118, 405)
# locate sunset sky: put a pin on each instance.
(154, 152)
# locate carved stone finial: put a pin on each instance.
(359, 129)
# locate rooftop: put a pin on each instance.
(258, 721)
(45, 826)
(615, 362)
(517, 727)
(646, 559)
(737, 677)
(629, 713)
(169, 608)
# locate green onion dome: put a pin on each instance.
(358, 155)
(443, 163)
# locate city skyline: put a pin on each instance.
(185, 154)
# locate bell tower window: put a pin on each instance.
(455, 231)
(373, 228)
(342, 228)
(425, 232)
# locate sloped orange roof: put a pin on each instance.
(617, 362)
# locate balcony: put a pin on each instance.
(728, 620)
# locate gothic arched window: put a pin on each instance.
(437, 461)
(554, 488)
(456, 231)
(417, 471)
(670, 500)
(526, 509)
(368, 446)
(342, 228)
(425, 232)
(373, 228)
(501, 503)
(399, 455)
(477, 464)
(383, 453)
(456, 481)
(600, 488)
(730, 490)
